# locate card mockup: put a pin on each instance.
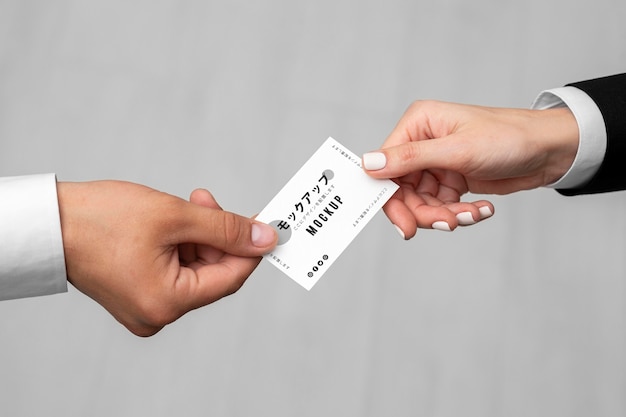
(321, 210)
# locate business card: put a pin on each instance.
(321, 210)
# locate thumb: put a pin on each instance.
(229, 232)
(400, 160)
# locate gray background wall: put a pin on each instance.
(518, 316)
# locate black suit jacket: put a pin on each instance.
(609, 94)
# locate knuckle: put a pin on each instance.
(418, 106)
(408, 153)
(233, 231)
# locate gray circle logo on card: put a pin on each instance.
(283, 230)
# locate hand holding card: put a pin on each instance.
(321, 210)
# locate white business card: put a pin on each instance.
(321, 210)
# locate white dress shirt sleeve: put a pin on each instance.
(592, 139)
(32, 260)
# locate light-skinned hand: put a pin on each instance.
(440, 151)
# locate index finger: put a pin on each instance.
(200, 285)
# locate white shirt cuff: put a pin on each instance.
(592, 139)
(32, 260)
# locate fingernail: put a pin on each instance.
(465, 218)
(485, 212)
(400, 232)
(262, 234)
(374, 161)
(441, 225)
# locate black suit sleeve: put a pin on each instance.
(609, 94)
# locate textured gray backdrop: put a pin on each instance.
(523, 315)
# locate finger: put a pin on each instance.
(466, 214)
(431, 213)
(193, 252)
(452, 185)
(428, 184)
(409, 210)
(400, 160)
(427, 211)
(401, 217)
(205, 284)
(485, 209)
(204, 198)
(223, 230)
(230, 232)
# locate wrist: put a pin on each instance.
(592, 141)
(70, 231)
(557, 130)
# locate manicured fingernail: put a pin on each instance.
(465, 218)
(374, 161)
(485, 212)
(441, 225)
(262, 235)
(400, 232)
